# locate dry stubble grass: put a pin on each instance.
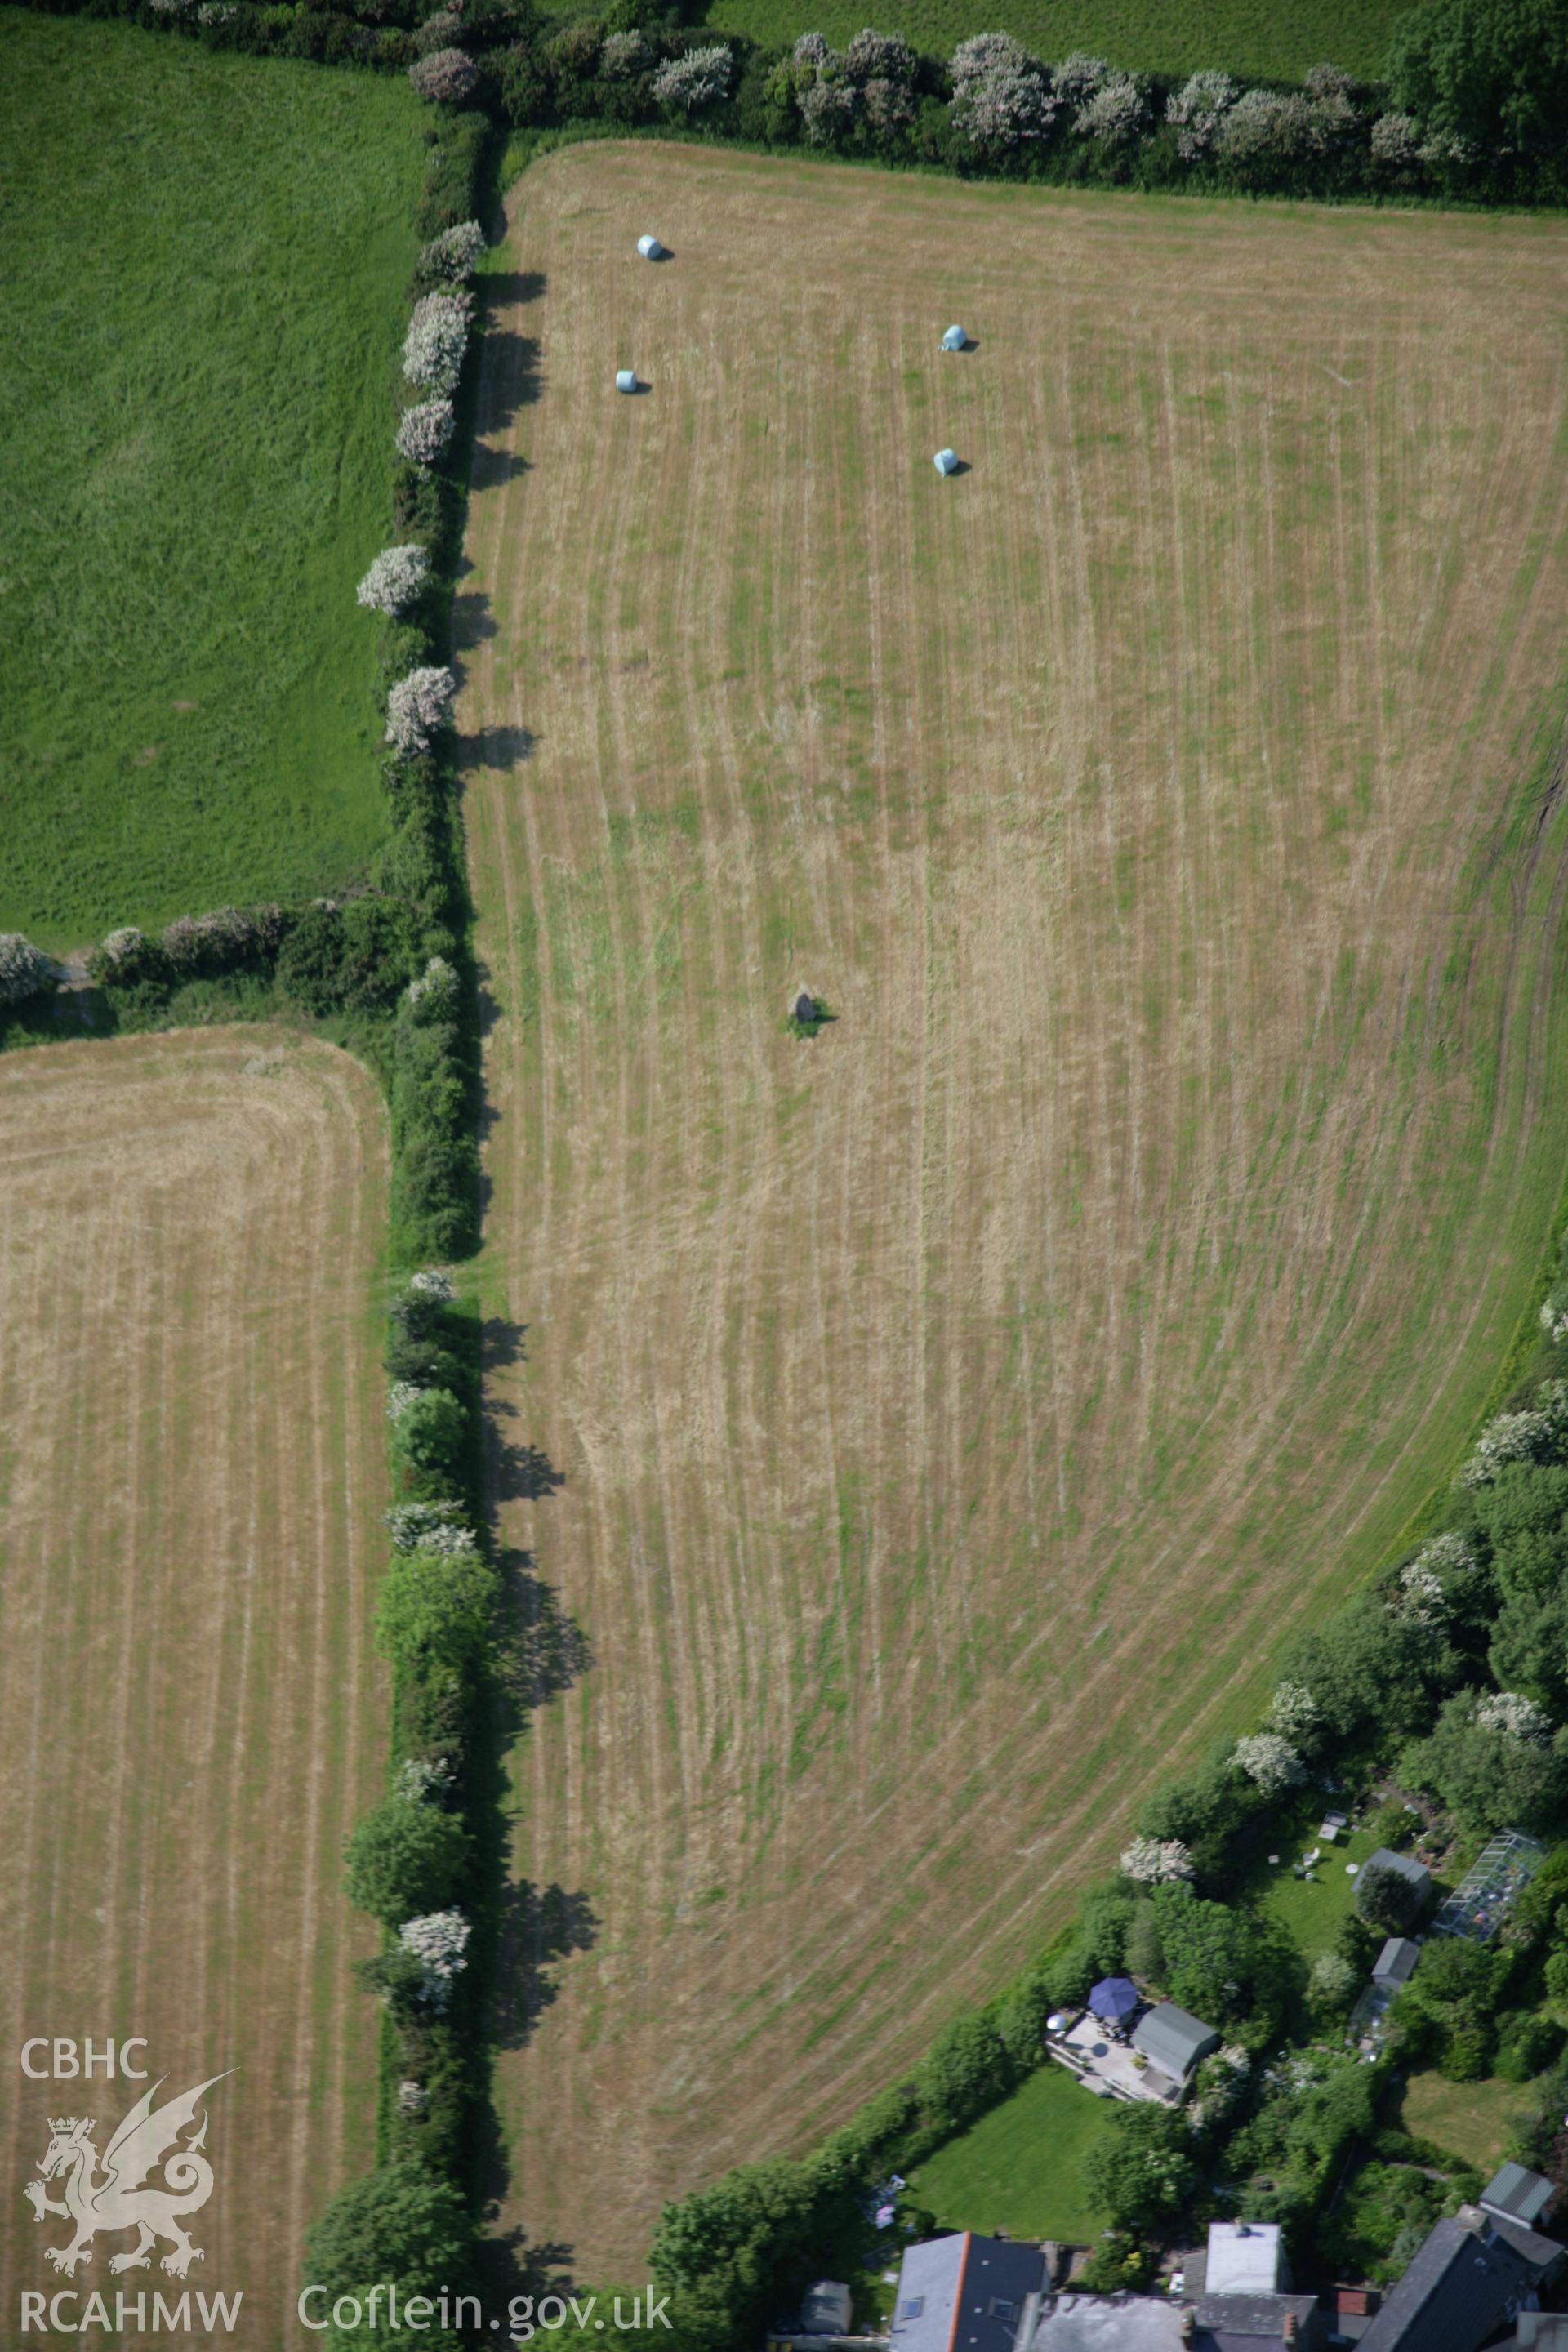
(957, 1413)
(191, 1713)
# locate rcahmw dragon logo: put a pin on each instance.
(116, 2199)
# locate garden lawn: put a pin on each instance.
(1020, 2169)
(1310, 1909)
(1245, 37)
(205, 262)
(1470, 2119)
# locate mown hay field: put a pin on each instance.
(191, 1709)
(957, 1411)
(203, 271)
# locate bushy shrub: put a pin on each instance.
(1493, 73)
(881, 57)
(1139, 2173)
(1486, 1778)
(966, 2071)
(25, 970)
(1266, 131)
(695, 79)
(1078, 78)
(828, 109)
(403, 1858)
(417, 708)
(436, 340)
(429, 1429)
(625, 56)
(354, 958)
(1527, 2043)
(1386, 1899)
(425, 431)
(401, 2225)
(436, 1613)
(1293, 1713)
(1196, 111)
(447, 77)
(394, 580)
(1332, 1985)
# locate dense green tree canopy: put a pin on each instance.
(400, 2224)
(1495, 71)
(405, 1858)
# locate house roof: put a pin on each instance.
(1396, 1961)
(1244, 2258)
(1466, 2279)
(1404, 1863)
(1237, 2323)
(1172, 2039)
(963, 2294)
(1093, 2323)
(1520, 2195)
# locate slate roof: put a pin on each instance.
(1238, 2323)
(1397, 1961)
(1416, 1873)
(1461, 2286)
(963, 2294)
(1172, 2039)
(1520, 2195)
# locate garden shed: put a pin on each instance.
(650, 248)
(1395, 1963)
(1517, 2195)
(1172, 2040)
(955, 340)
(1415, 1874)
(625, 379)
(945, 462)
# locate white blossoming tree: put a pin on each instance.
(1511, 1713)
(412, 1525)
(394, 579)
(25, 970)
(454, 256)
(1196, 110)
(1534, 1435)
(436, 984)
(440, 1942)
(447, 77)
(1155, 1862)
(1293, 1711)
(696, 79)
(419, 1779)
(417, 709)
(433, 1282)
(1002, 97)
(425, 431)
(1270, 1763)
(1115, 114)
(437, 339)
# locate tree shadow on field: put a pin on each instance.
(496, 749)
(473, 623)
(547, 1650)
(539, 1927)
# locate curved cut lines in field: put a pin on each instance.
(956, 1411)
(189, 1706)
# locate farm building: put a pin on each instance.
(1172, 2041)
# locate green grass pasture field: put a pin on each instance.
(1245, 37)
(204, 259)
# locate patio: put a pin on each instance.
(1100, 2060)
